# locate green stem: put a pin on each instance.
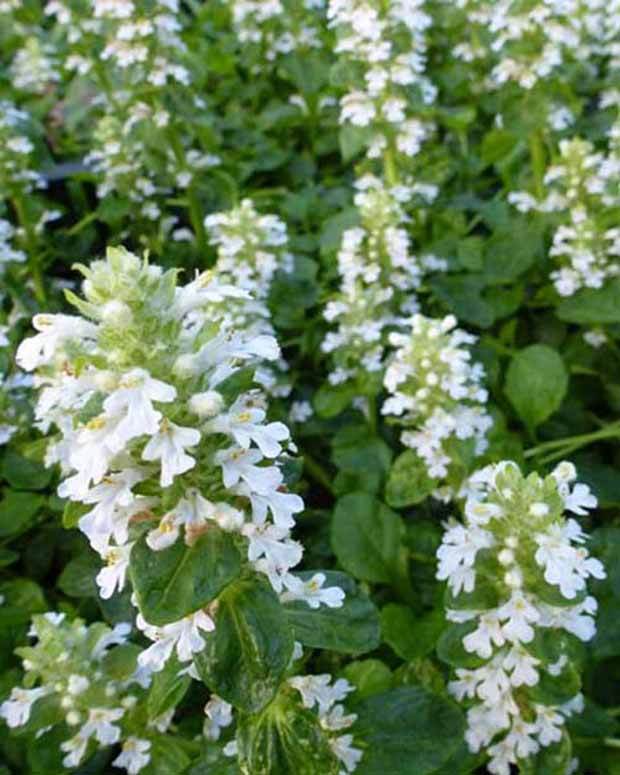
(612, 742)
(33, 255)
(318, 473)
(389, 164)
(537, 155)
(559, 447)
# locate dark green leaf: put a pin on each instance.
(536, 383)
(408, 482)
(408, 731)
(366, 537)
(247, 655)
(181, 579)
(409, 635)
(592, 306)
(351, 629)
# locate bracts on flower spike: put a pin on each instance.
(166, 452)
(517, 572)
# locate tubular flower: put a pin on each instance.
(436, 393)
(386, 44)
(517, 573)
(585, 248)
(87, 680)
(157, 445)
(378, 278)
(251, 249)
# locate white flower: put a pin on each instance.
(133, 400)
(6, 433)
(219, 716)
(165, 534)
(16, 710)
(112, 576)
(489, 632)
(343, 748)
(521, 614)
(54, 330)
(245, 424)
(134, 755)
(282, 505)
(109, 518)
(168, 445)
(312, 592)
(240, 465)
(319, 690)
(184, 636)
(272, 543)
(580, 499)
(75, 748)
(100, 723)
(457, 553)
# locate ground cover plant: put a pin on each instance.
(309, 387)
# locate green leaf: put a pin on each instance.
(330, 400)
(334, 227)
(450, 647)
(592, 306)
(78, 576)
(556, 690)
(301, 285)
(351, 629)
(408, 482)
(286, 738)
(7, 557)
(497, 144)
(408, 731)
(181, 579)
(24, 474)
(168, 756)
(249, 652)
(536, 383)
(409, 635)
(603, 480)
(72, 514)
(18, 511)
(505, 258)
(369, 676)
(605, 544)
(366, 537)
(353, 140)
(606, 643)
(167, 689)
(21, 599)
(462, 295)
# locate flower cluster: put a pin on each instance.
(436, 392)
(321, 693)
(584, 246)
(140, 38)
(251, 248)
(18, 175)
(389, 92)
(517, 572)
(277, 27)
(526, 43)
(34, 68)
(15, 395)
(150, 434)
(145, 144)
(378, 279)
(86, 679)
